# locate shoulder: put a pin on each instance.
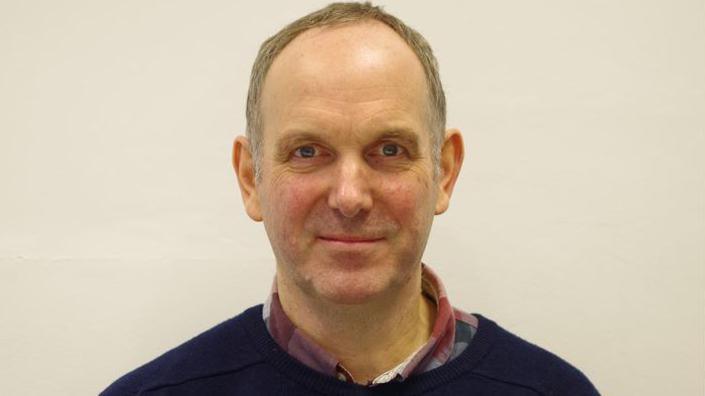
(513, 360)
(222, 350)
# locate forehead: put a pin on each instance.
(349, 73)
(365, 45)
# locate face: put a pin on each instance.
(347, 193)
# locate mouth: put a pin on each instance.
(349, 239)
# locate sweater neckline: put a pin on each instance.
(435, 351)
(417, 384)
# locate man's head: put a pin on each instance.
(340, 14)
(347, 185)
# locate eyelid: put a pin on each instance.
(296, 150)
(320, 151)
(377, 150)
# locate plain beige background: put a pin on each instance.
(578, 222)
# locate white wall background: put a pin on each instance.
(578, 222)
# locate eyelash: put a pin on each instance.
(298, 155)
(380, 149)
(377, 152)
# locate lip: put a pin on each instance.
(349, 239)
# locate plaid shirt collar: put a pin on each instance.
(438, 349)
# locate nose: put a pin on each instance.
(350, 193)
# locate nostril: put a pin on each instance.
(350, 200)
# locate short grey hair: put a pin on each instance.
(338, 14)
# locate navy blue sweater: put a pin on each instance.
(239, 357)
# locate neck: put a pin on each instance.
(369, 338)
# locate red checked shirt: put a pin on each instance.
(452, 332)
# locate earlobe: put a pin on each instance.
(244, 170)
(452, 154)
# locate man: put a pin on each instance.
(346, 162)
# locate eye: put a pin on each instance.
(306, 152)
(390, 150)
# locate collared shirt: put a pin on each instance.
(452, 332)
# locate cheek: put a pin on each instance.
(289, 203)
(290, 199)
(409, 199)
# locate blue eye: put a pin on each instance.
(305, 152)
(390, 150)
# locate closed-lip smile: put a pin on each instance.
(351, 239)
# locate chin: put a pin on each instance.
(349, 296)
(354, 288)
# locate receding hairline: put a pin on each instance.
(310, 36)
(338, 25)
(337, 14)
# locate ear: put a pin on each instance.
(452, 153)
(244, 170)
